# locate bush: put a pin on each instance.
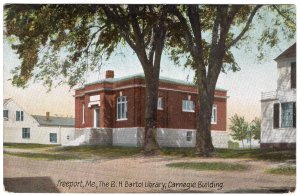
(233, 145)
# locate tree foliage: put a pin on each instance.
(61, 42)
(265, 25)
(255, 127)
(239, 128)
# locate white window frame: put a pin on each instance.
(25, 133)
(281, 112)
(83, 110)
(188, 106)
(189, 135)
(160, 103)
(51, 140)
(214, 110)
(21, 116)
(122, 101)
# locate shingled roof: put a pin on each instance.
(55, 121)
(290, 52)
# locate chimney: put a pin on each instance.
(47, 116)
(109, 74)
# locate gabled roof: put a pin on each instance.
(54, 121)
(290, 52)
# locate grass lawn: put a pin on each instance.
(214, 166)
(99, 151)
(28, 146)
(43, 156)
(282, 171)
(90, 151)
(258, 154)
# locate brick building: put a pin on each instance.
(111, 112)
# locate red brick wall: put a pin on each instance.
(171, 116)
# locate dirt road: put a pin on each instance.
(137, 174)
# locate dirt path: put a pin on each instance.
(30, 175)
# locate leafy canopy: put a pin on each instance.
(263, 25)
(59, 43)
(239, 127)
(62, 42)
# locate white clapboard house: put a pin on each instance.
(21, 127)
(278, 108)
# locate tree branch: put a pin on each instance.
(92, 38)
(160, 34)
(280, 13)
(188, 36)
(124, 29)
(246, 28)
(139, 38)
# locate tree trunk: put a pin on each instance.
(243, 144)
(204, 144)
(150, 144)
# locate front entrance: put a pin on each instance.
(96, 117)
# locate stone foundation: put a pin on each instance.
(176, 138)
(134, 137)
(94, 136)
(128, 137)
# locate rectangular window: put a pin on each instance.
(214, 114)
(5, 115)
(293, 75)
(276, 116)
(122, 108)
(294, 114)
(160, 103)
(188, 106)
(96, 117)
(188, 136)
(83, 110)
(19, 116)
(53, 137)
(287, 114)
(26, 133)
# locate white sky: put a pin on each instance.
(244, 87)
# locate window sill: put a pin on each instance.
(213, 123)
(160, 109)
(284, 128)
(188, 110)
(123, 119)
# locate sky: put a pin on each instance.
(244, 87)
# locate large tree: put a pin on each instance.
(205, 39)
(59, 43)
(55, 42)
